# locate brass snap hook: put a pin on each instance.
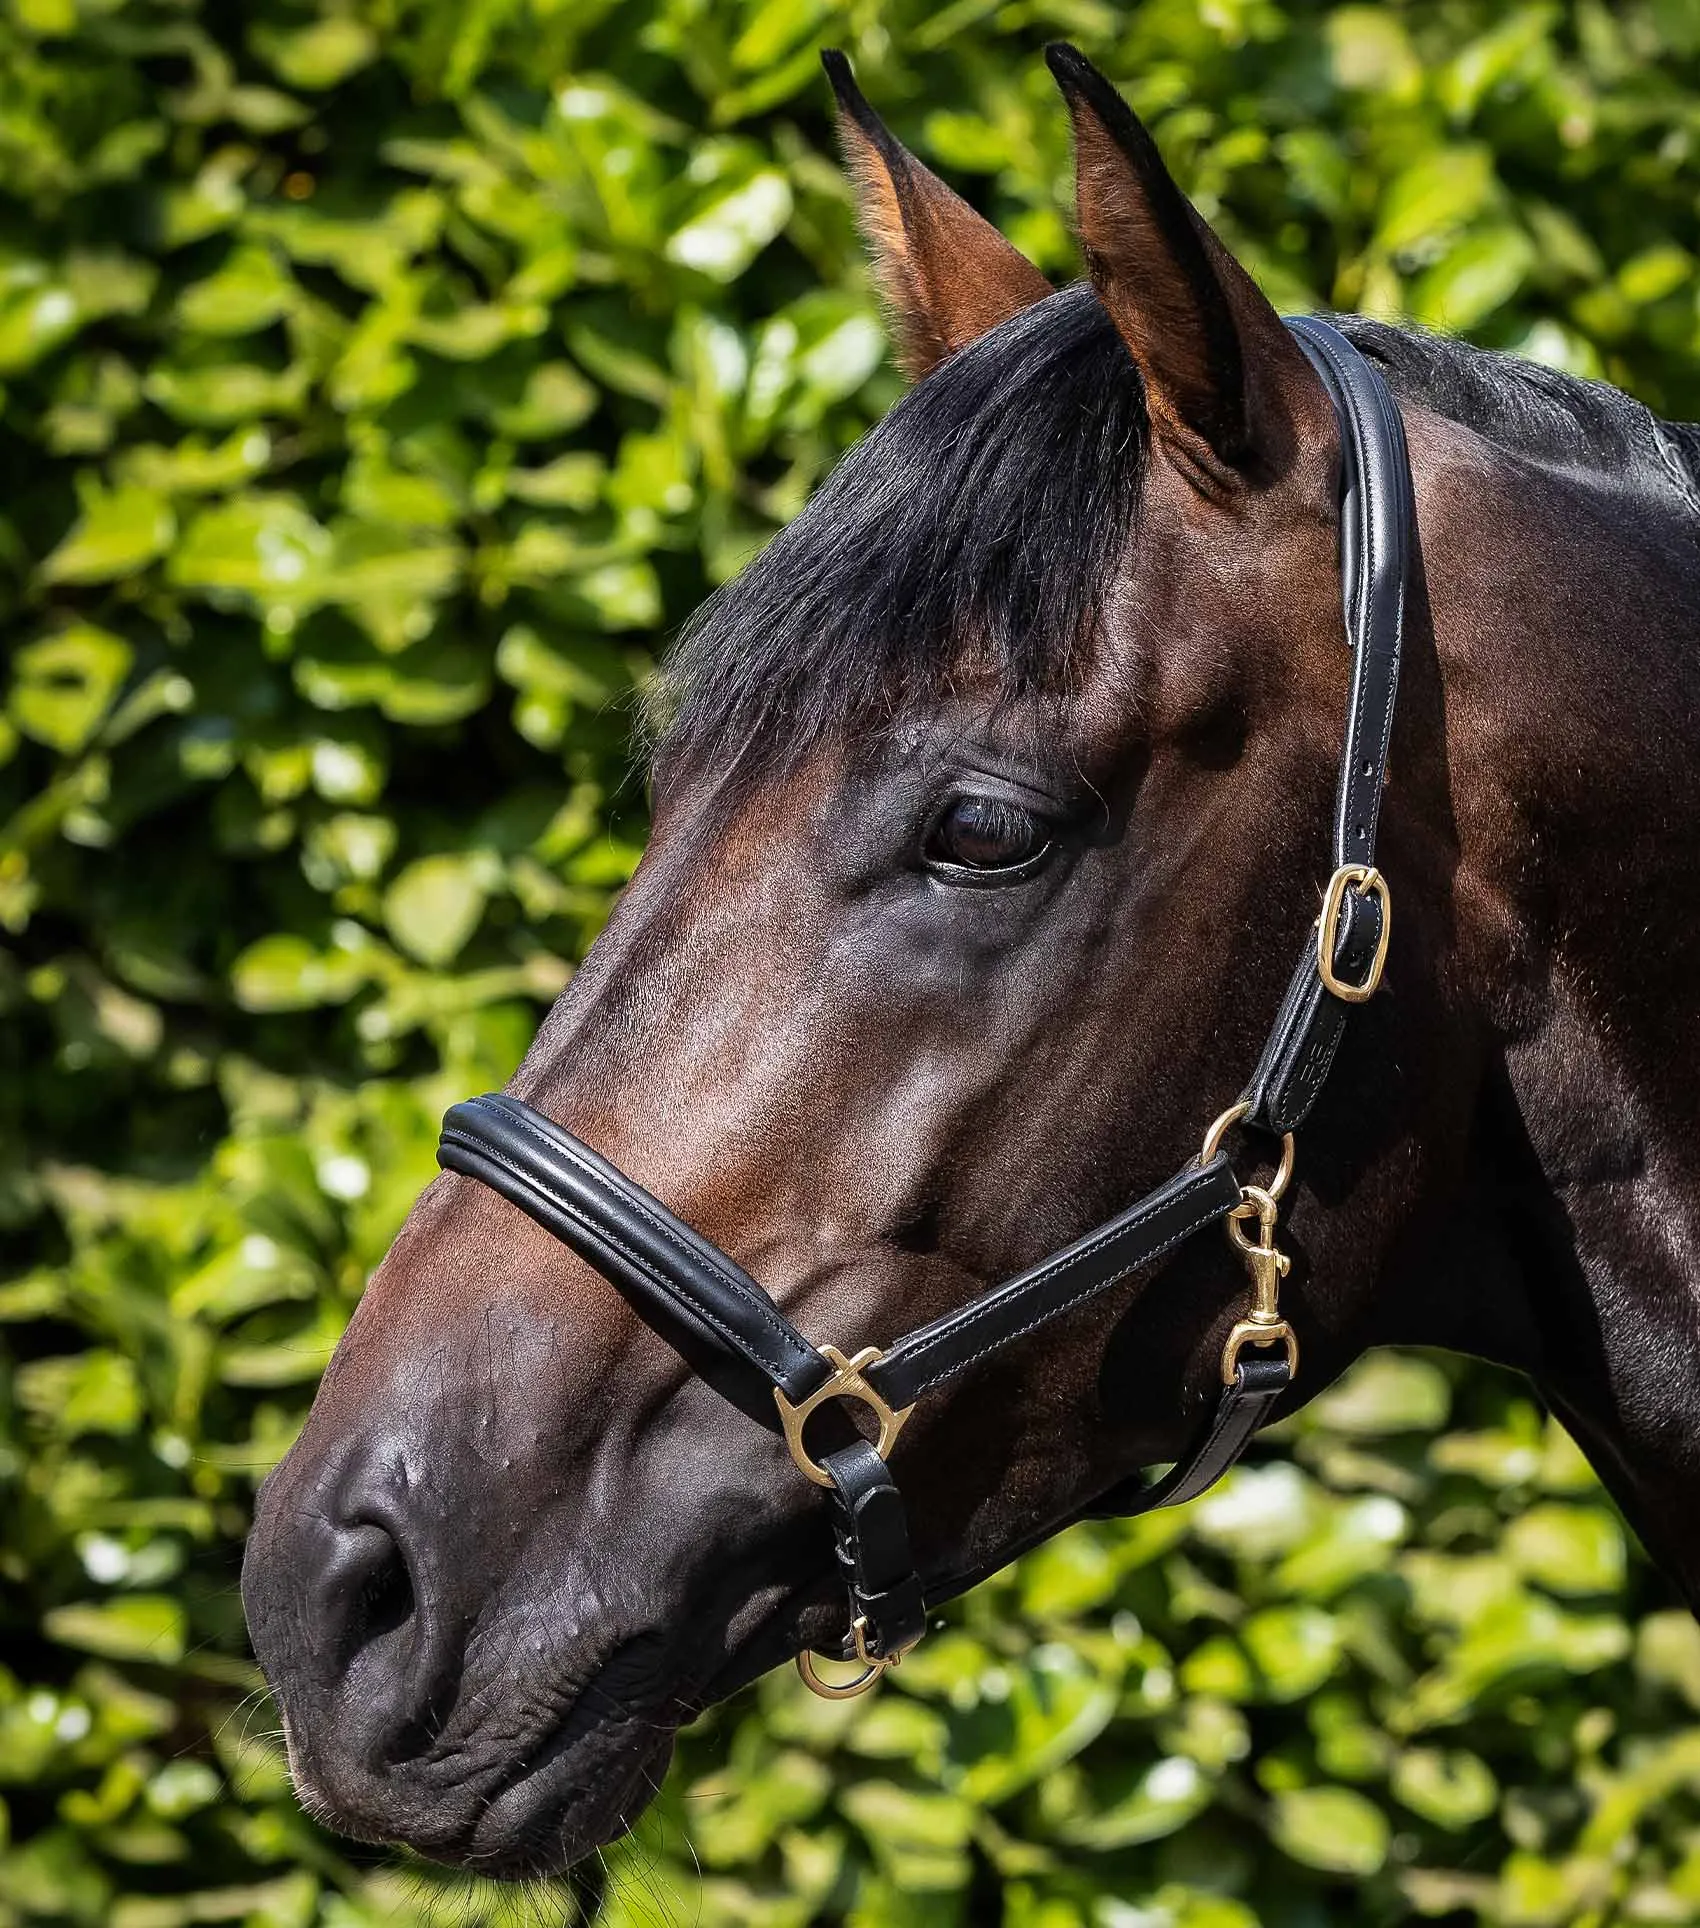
(1268, 1266)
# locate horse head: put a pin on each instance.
(990, 807)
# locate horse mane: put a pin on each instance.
(1541, 414)
(975, 532)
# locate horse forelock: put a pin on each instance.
(975, 533)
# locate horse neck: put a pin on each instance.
(1568, 690)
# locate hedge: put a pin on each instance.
(382, 384)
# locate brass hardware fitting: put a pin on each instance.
(1268, 1266)
(873, 1665)
(1220, 1129)
(846, 1383)
(1367, 882)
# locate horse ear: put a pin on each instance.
(947, 276)
(1219, 368)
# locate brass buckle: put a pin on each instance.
(1268, 1266)
(846, 1383)
(873, 1665)
(1223, 1125)
(1367, 882)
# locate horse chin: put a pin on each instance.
(577, 1797)
(538, 1813)
(586, 1784)
(532, 1808)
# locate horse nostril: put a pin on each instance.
(373, 1593)
(361, 1628)
(387, 1601)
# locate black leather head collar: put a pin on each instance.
(731, 1332)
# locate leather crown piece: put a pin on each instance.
(733, 1334)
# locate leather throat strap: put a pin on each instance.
(732, 1333)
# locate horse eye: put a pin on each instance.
(986, 834)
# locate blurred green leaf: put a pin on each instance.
(139, 1626)
(1667, 1653)
(285, 972)
(722, 238)
(1569, 1549)
(1293, 1648)
(319, 55)
(1432, 197)
(63, 685)
(1051, 1707)
(250, 291)
(1452, 1789)
(433, 907)
(1385, 1392)
(85, 1392)
(260, 551)
(1331, 1828)
(115, 535)
(1475, 279)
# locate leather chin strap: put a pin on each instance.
(731, 1332)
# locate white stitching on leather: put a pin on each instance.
(741, 1342)
(703, 1256)
(904, 1351)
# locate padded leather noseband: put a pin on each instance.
(729, 1330)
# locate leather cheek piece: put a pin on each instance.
(1309, 1025)
(1376, 520)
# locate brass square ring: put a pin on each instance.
(846, 1383)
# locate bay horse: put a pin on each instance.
(989, 808)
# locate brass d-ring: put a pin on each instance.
(873, 1665)
(1220, 1129)
(840, 1690)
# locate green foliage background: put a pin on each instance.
(382, 381)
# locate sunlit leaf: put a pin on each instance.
(1331, 1828)
(433, 907)
(1434, 196)
(249, 291)
(1476, 278)
(319, 55)
(1453, 1789)
(1386, 1392)
(264, 551)
(88, 1392)
(64, 684)
(287, 973)
(116, 535)
(138, 1626)
(1569, 1549)
(721, 239)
